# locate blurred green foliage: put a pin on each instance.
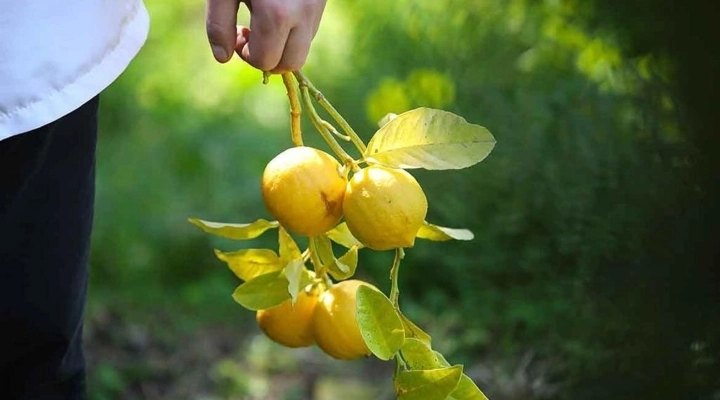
(586, 215)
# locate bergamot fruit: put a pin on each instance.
(290, 324)
(335, 324)
(384, 207)
(303, 189)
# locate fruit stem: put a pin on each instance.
(324, 132)
(394, 272)
(400, 363)
(320, 98)
(335, 131)
(306, 255)
(295, 109)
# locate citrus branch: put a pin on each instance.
(320, 98)
(394, 271)
(335, 132)
(295, 109)
(319, 124)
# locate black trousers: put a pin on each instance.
(47, 185)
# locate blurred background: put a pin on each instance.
(592, 273)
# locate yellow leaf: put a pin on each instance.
(431, 139)
(440, 233)
(340, 268)
(324, 249)
(344, 267)
(387, 118)
(289, 250)
(297, 276)
(247, 264)
(342, 236)
(235, 231)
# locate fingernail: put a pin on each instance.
(219, 53)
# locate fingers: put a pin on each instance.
(280, 35)
(268, 55)
(296, 51)
(220, 23)
(270, 25)
(243, 35)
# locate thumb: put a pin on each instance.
(220, 20)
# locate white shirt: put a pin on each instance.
(56, 55)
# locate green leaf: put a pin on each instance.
(441, 358)
(294, 275)
(341, 235)
(431, 139)
(345, 266)
(289, 250)
(235, 231)
(429, 384)
(380, 326)
(440, 233)
(419, 355)
(247, 264)
(467, 390)
(413, 331)
(261, 292)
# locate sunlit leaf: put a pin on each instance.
(249, 263)
(387, 118)
(419, 355)
(440, 233)
(289, 250)
(441, 358)
(345, 266)
(264, 291)
(380, 326)
(324, 249)
(293, 274)
(431, 139)
(467, 390)
(341, 268)
(235, 231)
(341, 235)
(413, 331)
(429, 384)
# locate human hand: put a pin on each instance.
(278, 39)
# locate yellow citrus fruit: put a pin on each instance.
(303, 188)
(290, 324)
(384, 207)
(335, 325)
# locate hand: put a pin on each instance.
(279, 36)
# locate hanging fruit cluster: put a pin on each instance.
(310, 297)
